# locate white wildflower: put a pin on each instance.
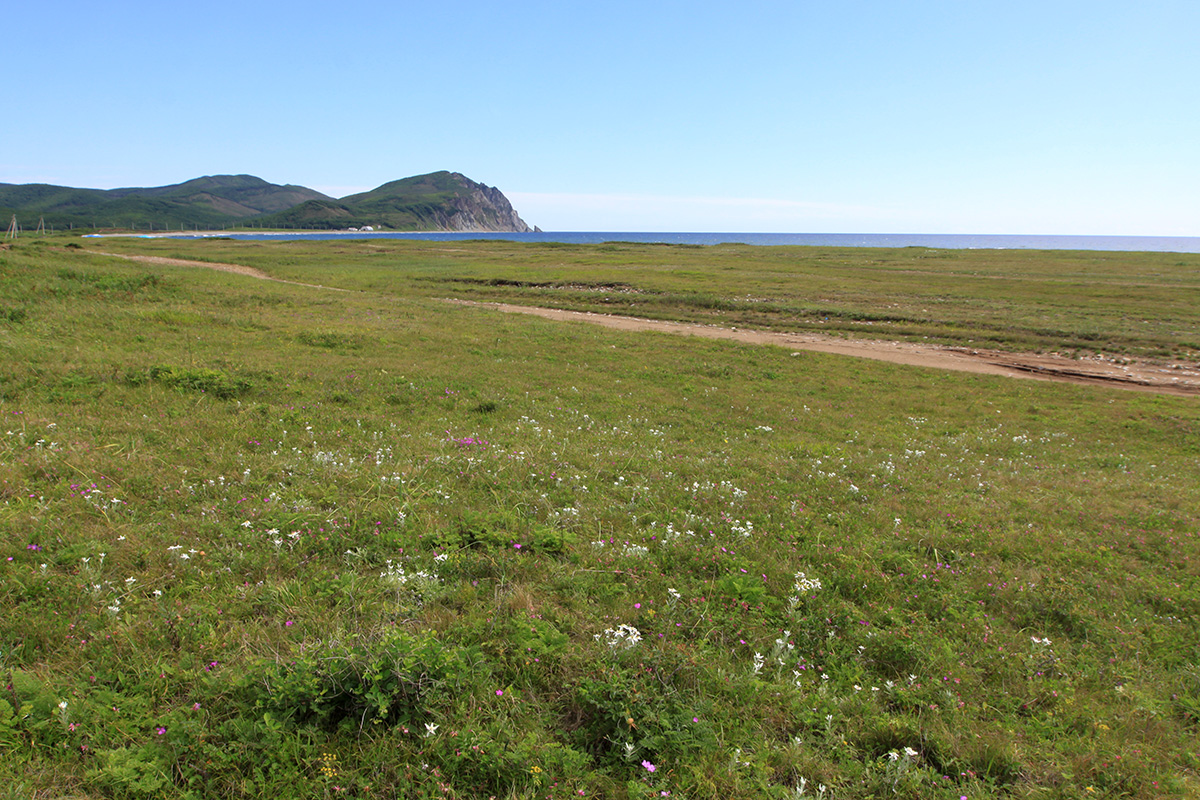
(623, 637)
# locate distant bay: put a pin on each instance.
(1175, 244)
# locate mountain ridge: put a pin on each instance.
(441, 201)
(438, 201)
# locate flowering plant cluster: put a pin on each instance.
(803, 587)
(422, 583)
(623, 637)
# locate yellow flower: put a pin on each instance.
(535, 770)
(329, 765)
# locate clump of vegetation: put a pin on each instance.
(331, 340)
(79, 280)
(192, 379)
(14, 315)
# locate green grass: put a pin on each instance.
(1135, 304)
(265, 539)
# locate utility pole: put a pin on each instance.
(13, 228)
(41, 228)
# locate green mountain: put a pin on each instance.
(236, 195)
(437, 201)
(214, 200)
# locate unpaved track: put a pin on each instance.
(240, 269)
(1139, 375)
(1181, 379)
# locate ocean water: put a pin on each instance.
(1176, 244)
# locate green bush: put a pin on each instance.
(396, 679)
(206, 381)
(330, 340)
(15, 315)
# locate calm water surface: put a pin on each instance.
(1177, 244)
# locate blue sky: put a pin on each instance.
(878, 116)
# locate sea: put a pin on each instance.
(1170, 244)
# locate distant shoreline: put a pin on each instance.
(1167, 244)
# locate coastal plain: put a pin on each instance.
(329, 533)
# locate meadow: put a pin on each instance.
(268, 539)
(1135, 304)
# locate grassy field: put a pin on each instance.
(262, 539)
(1138, 304)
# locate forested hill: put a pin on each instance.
(437, 201)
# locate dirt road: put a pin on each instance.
(240, 269)
(1170, 378)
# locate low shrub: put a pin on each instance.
(207, 381)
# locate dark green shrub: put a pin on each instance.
(206, 381)
(393, 680)
(15, 315)
(330, 340)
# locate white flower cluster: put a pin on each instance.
(743, 529)
(798, 792)
(623, 637)
(803, 587)
(783, 649)
(177, 551)
(101, 503)
(805, 584)
(394, 574)
(421, 582)
(781, 654)
(671, 534)
(899, 763)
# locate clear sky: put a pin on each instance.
(855, 116)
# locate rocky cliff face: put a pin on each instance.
(438, 201)
(485, 208)
(464, 204)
